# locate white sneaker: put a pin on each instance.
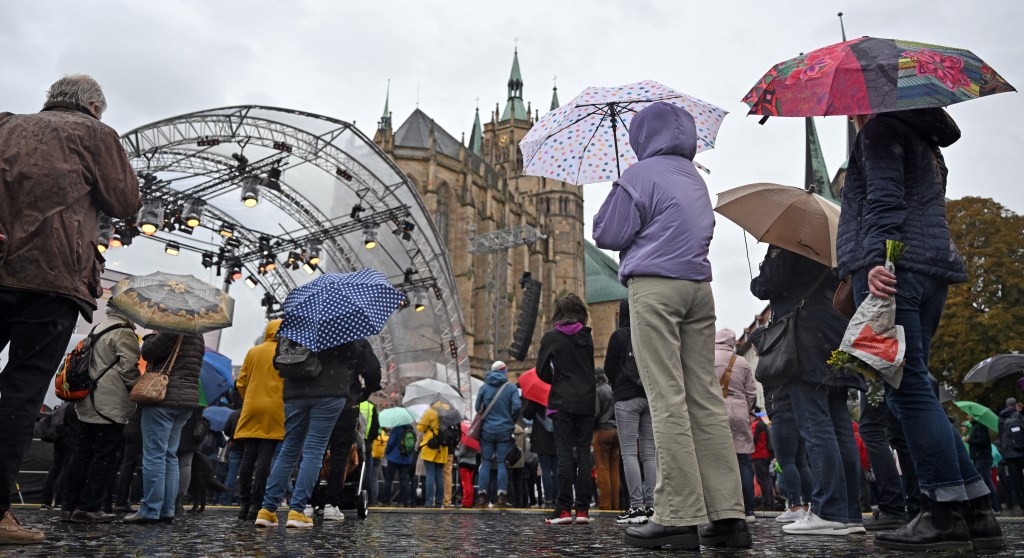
(790, 516)
(308, 512)
(856, 528)
(811, 524)
(332, 513)
(750, 519)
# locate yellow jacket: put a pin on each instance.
(379, 443)
(430, 426)
(261, 388)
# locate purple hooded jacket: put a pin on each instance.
(658, 214)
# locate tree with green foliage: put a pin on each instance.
(984, 316)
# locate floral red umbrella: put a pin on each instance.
(870, 75)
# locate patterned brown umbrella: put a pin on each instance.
(173, 303)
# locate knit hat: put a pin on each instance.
(499, 365)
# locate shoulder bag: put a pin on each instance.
(842, 301)
(776, 344)
(724, 381)
(152, 386)
(477, 426)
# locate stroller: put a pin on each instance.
(351, 496)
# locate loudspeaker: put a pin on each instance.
(527, 318)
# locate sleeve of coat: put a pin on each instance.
(243, 375)
(126, 346)
(543, 368)
(370, 370)
(886, 207)
(115, 184)
(618, 220)
(749, 388)
(517, 402)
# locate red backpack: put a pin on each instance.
(74, 383)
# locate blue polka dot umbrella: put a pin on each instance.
(336, 308)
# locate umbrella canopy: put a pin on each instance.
(215, 375)
(996, 367)
(467, 440)
(426, 391)
(447, 415)
(173, 303)
(395, 416)
(218, 417)
(336, 308)
(980, 413)
(785, 216)
(587, 140)
(870, 75)
(533, 387)
(417, 410)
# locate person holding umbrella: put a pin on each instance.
(502, 400)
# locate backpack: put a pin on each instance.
(407, 445)
(451, 436)
(293, 360)
(630, 371)
(74, 381)
(1013, 433)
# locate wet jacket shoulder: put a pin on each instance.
(183, 384)
(117, 352)
(392, 451)
(501, 419)
(58, 169)
(895, 190)
(262, 391)
(334, 379)
(658, 214)
(784, 279)
(567, 363)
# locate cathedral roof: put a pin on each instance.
(554, 98)
(416, 131)
(514, 108)
(476, 137)
(602, 283)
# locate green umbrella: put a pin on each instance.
(980, 413)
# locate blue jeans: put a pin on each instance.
(161, 432)
(308, 422)
(433, 489)
(746, 482)
(945, 472)
(548, 466)
(494, 446)
(827, 430)
(792, 457)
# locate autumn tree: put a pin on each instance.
(984, 316)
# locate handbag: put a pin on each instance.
(476, 427)
(514, 453)
(842, 301)
(776, 344)
(152, 386)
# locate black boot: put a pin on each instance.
(652, 535)
(939, 526)
(243, 511)
(731, 533)
(982, 525)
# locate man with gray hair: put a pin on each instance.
(59, 169)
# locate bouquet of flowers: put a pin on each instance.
(873, 345)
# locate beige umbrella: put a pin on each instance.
(786, 216)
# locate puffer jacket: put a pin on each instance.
(183, 384)
(262, 391)
(501, 420)
(59, 169)
(566, 361)
(117, 349)
(895, 189)
(742, 391)
(334, 377)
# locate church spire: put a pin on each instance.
(385, 119)
(554, 97)
(514, 108)
(815, 172)
(476, 137)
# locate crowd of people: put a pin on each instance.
(672, 413)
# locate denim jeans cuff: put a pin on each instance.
(976, 488)
(945, 492)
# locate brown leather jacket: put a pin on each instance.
(58, 169)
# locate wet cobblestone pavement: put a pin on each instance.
(414, 533)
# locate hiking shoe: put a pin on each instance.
(12, 532)
(332, 513)
(582, 517)
(503, 501)
(481, 499)
(298, 520)
(811, 524)
(266, 518)
(790, 516)
(632, 515)
(881, 521)
(559, 517)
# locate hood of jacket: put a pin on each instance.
(725, 340)
(935, 125)
(496, 378)
(624, 313)
(271, 333)
(663, 129)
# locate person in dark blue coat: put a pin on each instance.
(401, 461)
(496, 433)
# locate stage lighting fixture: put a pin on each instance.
(227, 231)
(294, 261)
(270, 263)
(343, 174)
(207, 260)
(268, 300)
(409, 272)
(405, 230)
(251, 191)
(242, 161)
(404, 303)
(104, 234)
(419, 295)
(172, 249)
(370, 235)
(437, 292)
(313, 250)
(235, 271)
(272, 180)
(151, 217)
(309, 268)
(193, 213)
(185, 229)
(251, 282)
(233, 242)
(116, 240)
(356, 210)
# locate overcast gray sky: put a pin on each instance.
(159, 59)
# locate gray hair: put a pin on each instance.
(78, 89)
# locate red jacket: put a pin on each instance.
(760, 432)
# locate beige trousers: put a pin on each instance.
(673, 334)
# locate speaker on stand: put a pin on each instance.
(527, 318)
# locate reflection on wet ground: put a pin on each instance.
(411, 533)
